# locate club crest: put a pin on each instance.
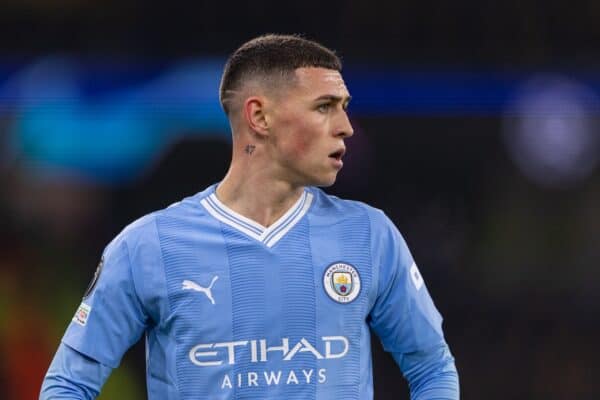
(341, 282)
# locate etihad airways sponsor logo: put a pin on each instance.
(274, 378)
(214, 354)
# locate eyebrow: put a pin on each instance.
(334, 98)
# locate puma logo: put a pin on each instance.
(190, 285)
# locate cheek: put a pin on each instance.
(302, 141)
(300, 146)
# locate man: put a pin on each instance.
(262, 286)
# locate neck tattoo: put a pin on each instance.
(250, 148)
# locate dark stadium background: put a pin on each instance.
(477, 132)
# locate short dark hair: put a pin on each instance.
(271, 56)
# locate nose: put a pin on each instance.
(344, 129)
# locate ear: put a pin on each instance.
(255, 115)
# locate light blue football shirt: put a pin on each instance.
(233, 310)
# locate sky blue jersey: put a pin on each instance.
(233, 310)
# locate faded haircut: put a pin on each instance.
(272, 58)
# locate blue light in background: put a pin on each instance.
(105, 121)
(107, 135)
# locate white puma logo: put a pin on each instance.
(190, 285)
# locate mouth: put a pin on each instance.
(338, 154)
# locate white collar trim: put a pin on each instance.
(269, 236)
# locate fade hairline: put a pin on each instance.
(272, 60)
(272, 83)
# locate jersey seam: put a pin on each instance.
(374, 282)
(164, 272)
(162, 261)
(312, 261)
(222, 227)
(368, 299)
(135, 286)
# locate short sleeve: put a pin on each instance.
(403, 315)
(111, 317)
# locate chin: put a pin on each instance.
(324, 179)
(324, 182)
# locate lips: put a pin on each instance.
(338, 154)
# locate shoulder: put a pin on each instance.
(145, 230)
(385, 238)
(326, 204)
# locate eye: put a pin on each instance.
(323, 108)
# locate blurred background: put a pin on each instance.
(477, 131)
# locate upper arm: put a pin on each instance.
(406, 320)
(403, 315)
(112, 317)
(124, 302)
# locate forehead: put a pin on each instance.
(320, 81)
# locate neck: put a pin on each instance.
(250, 190)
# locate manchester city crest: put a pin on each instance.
(341, 282)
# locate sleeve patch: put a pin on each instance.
(82, 314)
(415, 276)
(94, 281)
